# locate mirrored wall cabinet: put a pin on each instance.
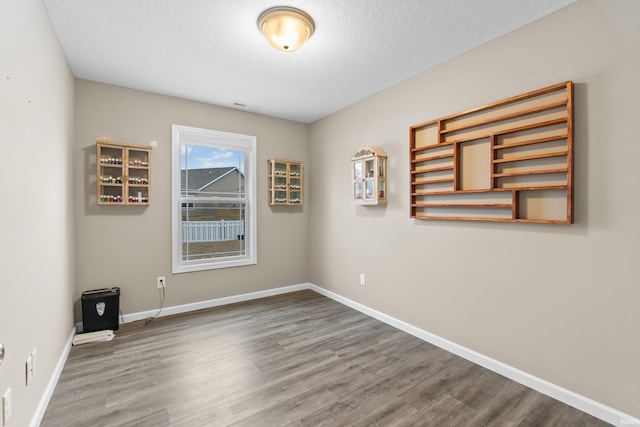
(285, 182)
(369, 176)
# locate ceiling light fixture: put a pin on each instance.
(286, 28)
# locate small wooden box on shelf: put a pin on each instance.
(123, 174)
(285, 182)
(369, 176)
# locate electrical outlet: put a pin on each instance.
(363, 279)
(29, 370)
(30, 367)
(160, 282)
(6, 406)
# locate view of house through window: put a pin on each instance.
(214, 211)
(212, 229)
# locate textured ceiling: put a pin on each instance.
(212, 51)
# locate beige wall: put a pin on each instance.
(559, 302)
(130, 246)
(36, 172)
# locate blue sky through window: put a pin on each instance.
(198, 157)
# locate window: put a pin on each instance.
(213, 199)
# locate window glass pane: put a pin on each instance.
(214, 215)
(211, 230)
(211, 172)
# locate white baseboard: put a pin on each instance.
(53, 381)
(185, 308)
(597, 409)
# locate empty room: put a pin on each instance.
(319, 213)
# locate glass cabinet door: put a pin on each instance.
(369, 168)
(295, 183)
(369, 189)
(357, 171)
(382, 166)
(357, 181)
(279, 183)
(138, 176)
(382, 175)
(110, 174)
(357, 190)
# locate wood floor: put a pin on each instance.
(298, 359)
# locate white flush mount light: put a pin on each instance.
(286, 28)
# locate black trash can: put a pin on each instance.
(100, 309)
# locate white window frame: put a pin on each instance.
(212, 138)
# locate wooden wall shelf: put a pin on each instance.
(509, 161)
(285, 182)
(123, 175)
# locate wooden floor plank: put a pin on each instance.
(289, 360)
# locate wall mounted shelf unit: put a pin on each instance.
(369, 176)
(285, 182)
(509, 161)
(123, 175)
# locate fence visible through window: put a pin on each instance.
(212, 231)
